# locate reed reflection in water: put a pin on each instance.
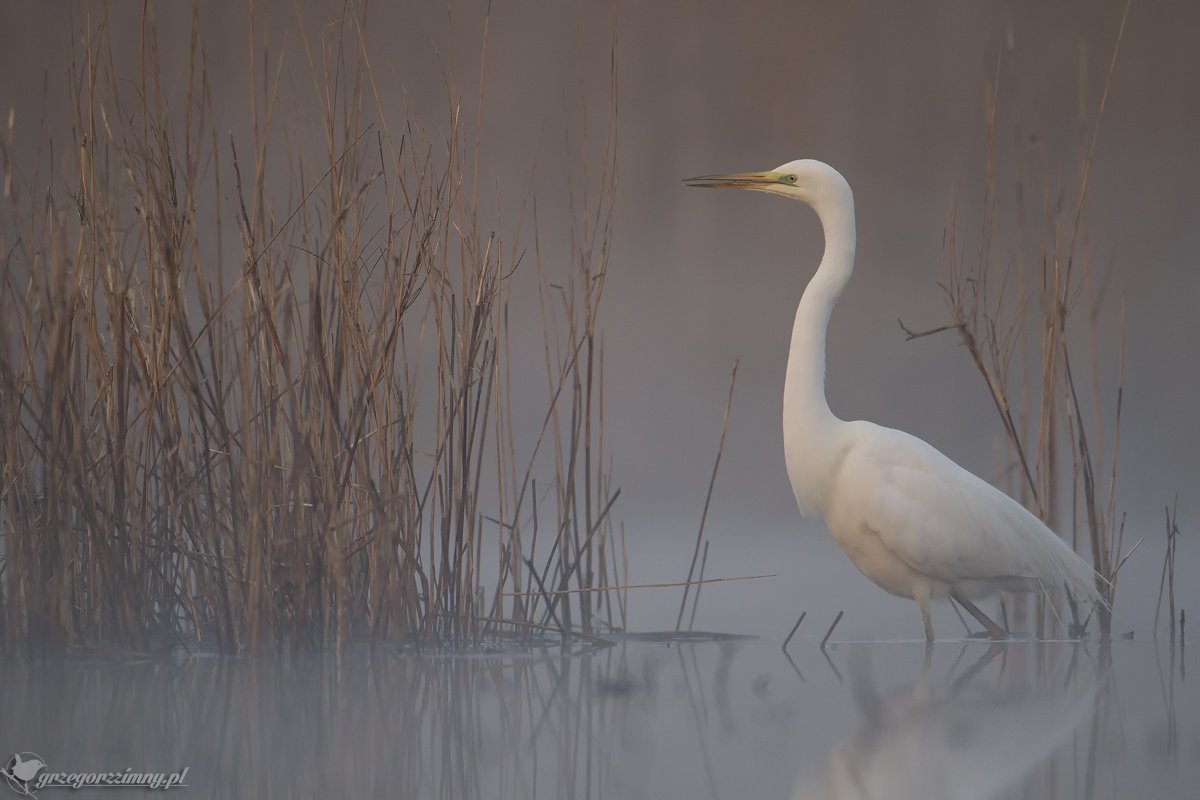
(643, 719)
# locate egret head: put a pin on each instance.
(812, 182)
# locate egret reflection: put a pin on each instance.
(645, 718)
(970, 737)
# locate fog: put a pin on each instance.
(642, 719)
(896, 97)
(918, 104)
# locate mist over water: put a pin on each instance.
(896, 98)
(642, 719)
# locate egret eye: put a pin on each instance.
(789, 178)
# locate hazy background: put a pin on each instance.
(894, 96)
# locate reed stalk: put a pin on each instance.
(1024, 306)
(267, 417)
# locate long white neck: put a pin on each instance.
(809, 427)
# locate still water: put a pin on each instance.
(709, 717)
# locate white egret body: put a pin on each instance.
(913, 521)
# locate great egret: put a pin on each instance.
(911, 520)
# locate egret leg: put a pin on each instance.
(926, 621)
(922, 598)
(994, 630)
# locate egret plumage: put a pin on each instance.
(911, 519)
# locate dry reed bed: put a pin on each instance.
(1024, 314)
(306, 438)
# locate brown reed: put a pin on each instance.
(1001, 319)
(281, 418)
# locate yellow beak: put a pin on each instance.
(736, 180)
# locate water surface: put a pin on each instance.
(704, 718)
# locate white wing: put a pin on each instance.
(946, 523)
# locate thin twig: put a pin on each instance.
(638, 586)
(792, 633)
(829, 632)
(909, 335)
(700, 582)
(708, 496)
